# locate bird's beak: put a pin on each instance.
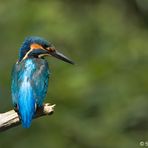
(60, 56)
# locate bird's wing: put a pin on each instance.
(29, 87)
(40, 81)
(14, 85)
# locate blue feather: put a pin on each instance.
(29, 87)
(26, 103)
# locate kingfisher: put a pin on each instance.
(30, 76)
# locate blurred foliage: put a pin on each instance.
(102, 101)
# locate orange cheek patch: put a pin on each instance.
(35, 46)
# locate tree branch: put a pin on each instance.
(11, 119)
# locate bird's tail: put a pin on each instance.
(26, 105)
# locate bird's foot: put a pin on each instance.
(15, 108)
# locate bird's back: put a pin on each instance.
(29, 87)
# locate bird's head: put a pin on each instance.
(38, 47)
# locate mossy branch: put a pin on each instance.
(11, 118)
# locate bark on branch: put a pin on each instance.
(11, 119)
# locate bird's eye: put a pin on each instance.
(45, 46)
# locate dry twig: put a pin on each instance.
(11, 119)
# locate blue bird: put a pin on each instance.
(30, 77)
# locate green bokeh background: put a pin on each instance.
(102, 101)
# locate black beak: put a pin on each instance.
(60, 56)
